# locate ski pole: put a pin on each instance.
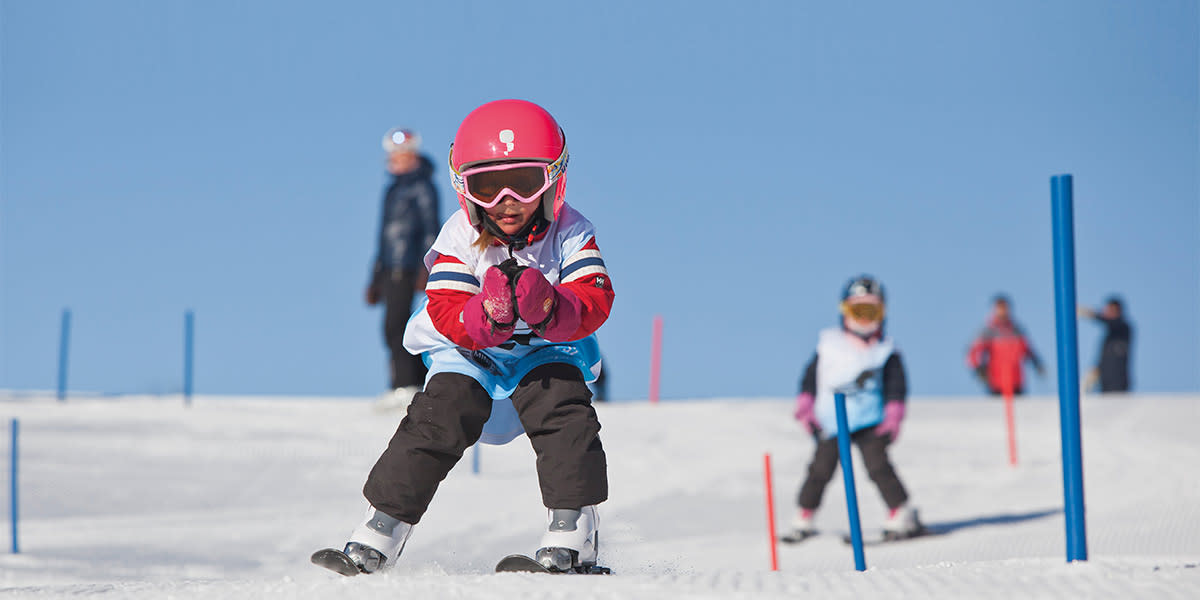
(13, 486)
(843, 436)
(1063, 220)
(64, 348)
(1012, 427)
(655, 357)
(771, 513)
(189, 330)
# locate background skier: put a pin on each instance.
(856, 355)
(407, 227)
(998, 352)
(1112, 370)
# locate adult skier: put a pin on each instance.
(1112, 369)
(407, 227)
(997, 353)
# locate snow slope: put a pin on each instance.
(140, 497)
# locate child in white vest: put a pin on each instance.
(859, 360)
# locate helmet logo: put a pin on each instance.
(506, 137)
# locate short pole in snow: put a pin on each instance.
(12, 490)
(189, 328)
(1062, 213)
(843, 436)
(475, 459)
(771, 514)
(64, 339)
(655, 357)
(1010, 416)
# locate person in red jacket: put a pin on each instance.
(997, 354)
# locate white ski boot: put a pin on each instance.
(378, 541)
(902, 523)
(802, 527)
(571, 540)
(396, 400)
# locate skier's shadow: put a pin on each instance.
(949, 526)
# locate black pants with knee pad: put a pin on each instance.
(554, 405)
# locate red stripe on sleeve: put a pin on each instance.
(596, 293)
(445, 308)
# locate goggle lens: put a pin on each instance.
(526, 182)
(863, 311)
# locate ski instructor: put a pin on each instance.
(407, 228)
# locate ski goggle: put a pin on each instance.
(863, 311)
(525, 181)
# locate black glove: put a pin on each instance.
(512, 270)
(981, 373)
(864, 378)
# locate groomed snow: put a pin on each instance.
(137, 497)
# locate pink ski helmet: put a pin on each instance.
(509, 131)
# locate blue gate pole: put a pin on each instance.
(475, 459)
(189, 320)
(64, 339)
(843, 436)
(12, 491)
(1061, 197)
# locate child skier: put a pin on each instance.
(516, 288)
(858, 360)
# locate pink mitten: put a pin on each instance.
(489, 316)
(805, 414)
(893, 413)
(552, 312)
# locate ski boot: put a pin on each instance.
(571, 541)
(802, 527)
(396, 400)
(902, 523)
(374, 545)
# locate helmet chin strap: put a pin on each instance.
(516, 241)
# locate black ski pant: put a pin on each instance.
(1114, 369)
(445, 419)
(874, 453)
(399, 287)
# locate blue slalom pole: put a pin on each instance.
(64, 339)
(1061, 196)
(843, 436)
(475, 459)
(189, 320)
(12, 491)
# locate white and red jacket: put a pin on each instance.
(566, 254)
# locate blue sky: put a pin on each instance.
(740, 161)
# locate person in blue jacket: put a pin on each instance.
(858, 360)
(407, 228)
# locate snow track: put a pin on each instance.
(143, 498)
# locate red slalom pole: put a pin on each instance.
(655, 358)
(771, 514)
(1012, 428)
(1006, 386)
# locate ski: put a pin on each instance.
(336, 561)
(519, 563)
(891, 538)
(797, 536)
